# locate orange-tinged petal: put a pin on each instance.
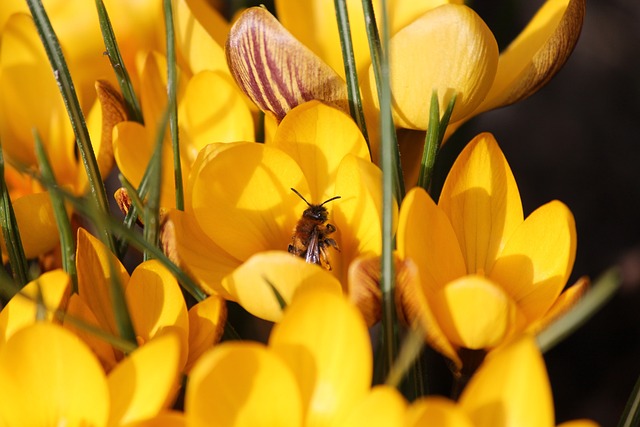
(458, 55)
(474, 312)
(358, 213)
(155, 302)
(436, 411)
(214, 111)
(579, 423)
(242, 384)
(324, 341)
(242, 199)
(93, 260)
(49, 377)
(425, 236)
(145, 382)
(537, 54)
(535, 273)
(277, 71)
(511, 388)
(249, 284)
(188, 247)
(54, 287)
(480, 196)
(78, 311)
(309, 133)
(37, 224)
(384, 406)
(200, 28)
(206, 325)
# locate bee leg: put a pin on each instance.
(332, 243)
(324, 258)
(329, 228)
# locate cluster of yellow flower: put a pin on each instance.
(92, 344)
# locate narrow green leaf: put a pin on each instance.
(124, 81)
(410, 350)
(348, 58)
(76, 117)
(375, 50)
(631, 414)
(136, 201)
(10, 231)
(172, 84)
(67, 240)
(602, 291)
(277, 294)
(121, 314)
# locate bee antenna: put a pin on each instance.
(300, 195)
(328, 200)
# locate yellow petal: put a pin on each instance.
(480, 196)
(155, 302)
(145, 382)
(249, 284)
(93, 261)
(436, 411)
(474, 312)
(187, 246)
(214, 111)
(579, 423)
(358, 214)
(164, 419)
(277, 71)
(384, 406)
(242, 200)
(78, 311)
(49, 377)
(324, 341)
(305, 18)
(425, 236)
(536, 262)
(537, 54)
(309, 132)
(404, 12)
(206, 325)
(54, 287)
(458, 55)
(200, 28)
(37, 224)
(511, 388)
(562, 305)
(242, 384)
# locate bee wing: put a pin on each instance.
(313, 250)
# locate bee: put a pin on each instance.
(310, 239)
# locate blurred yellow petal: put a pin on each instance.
(155, 302)
(37, 224)
(358, 214)
(458, 55)
(242, 199)
(206, 325)
(164, 419)
(384, 406)
(474, 312)
(511, 388)
(324, 341)
(404, 12)
(93, 260)
(48, 377)
(579, 423)
(562, 305)
(200, 28)
(277, 71)
(425, 236)
(78, 311)
(145, 382)
(214, 111)
(538, 52)
(305, 19)
(54, 287)
(436, 411)
(249, 284)
(309, 132)
(186, 245)
(535, 273)
(480, 196)
(242, 384)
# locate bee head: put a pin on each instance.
(316, 212)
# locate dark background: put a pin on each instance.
(577, 141)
